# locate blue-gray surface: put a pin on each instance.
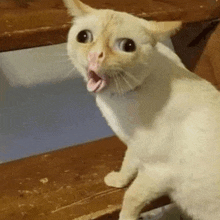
(48, 117)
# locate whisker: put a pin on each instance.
(120, 84)
(133, 77)
(55, 54)
(116, 82)
(72, 69)
(58, 55)
(126, 81)
(128, 74)
(63, 61)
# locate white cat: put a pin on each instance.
(168, 117)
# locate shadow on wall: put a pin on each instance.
(48, 117)
(4, 86)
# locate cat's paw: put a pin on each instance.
(116, 179)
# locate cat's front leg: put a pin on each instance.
(127, 172)
(141, 192)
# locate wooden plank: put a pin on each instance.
(66, 184)
(25, 24)
(31, 23)
(62, 184)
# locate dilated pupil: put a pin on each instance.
(129, 46)
(82, 37)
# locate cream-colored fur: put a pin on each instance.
(168, 117)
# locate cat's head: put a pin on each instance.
(112, 50)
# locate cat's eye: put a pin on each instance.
(126, 45)
(84, 36)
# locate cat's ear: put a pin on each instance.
(162, 30)
(77, 8)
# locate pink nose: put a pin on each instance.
(95, 60)
(96, 57)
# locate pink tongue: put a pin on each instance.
(95, 85)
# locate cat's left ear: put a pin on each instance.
(77, 8)
(162, 30)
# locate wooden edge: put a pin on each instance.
(162, 201)
(34, 38)
(65, 184)
(111, 212)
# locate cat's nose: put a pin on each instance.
(95, 60)
(96, 57)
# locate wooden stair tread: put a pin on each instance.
(65, 184)
(32, 23)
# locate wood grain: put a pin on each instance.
(66, 184)
(31, 23)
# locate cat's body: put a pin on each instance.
(171, 126)
(167, 116)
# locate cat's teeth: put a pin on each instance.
(93, 86)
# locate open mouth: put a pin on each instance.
(95, 82)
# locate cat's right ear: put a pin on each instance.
(77, 8)
(162, 30)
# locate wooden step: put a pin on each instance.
(65, 184)
(33, 23)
